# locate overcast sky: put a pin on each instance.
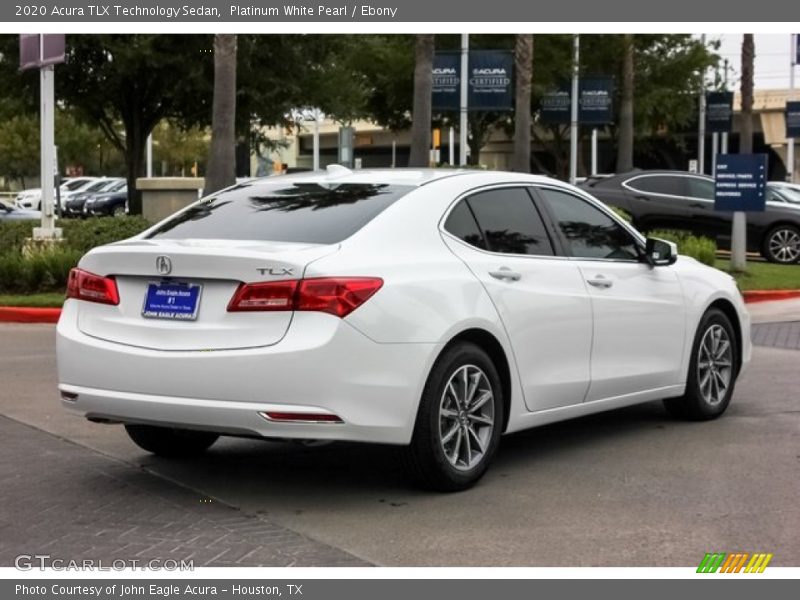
(772, 60)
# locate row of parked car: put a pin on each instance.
(82, 197)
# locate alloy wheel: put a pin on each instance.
(714, 365)
(784, 245)
(466, 417)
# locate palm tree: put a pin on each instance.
(523, 65)
(748, 59)
(625, 133)
(421, 111)
(222, 156)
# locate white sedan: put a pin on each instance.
(431, 309)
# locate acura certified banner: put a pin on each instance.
(490, 83)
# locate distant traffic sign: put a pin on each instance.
(740, 182)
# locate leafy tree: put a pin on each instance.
(19, 147)
(177, 148)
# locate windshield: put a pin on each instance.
(289, 212)
(788, 194)
(74, 184)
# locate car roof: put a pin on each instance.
(399, 176)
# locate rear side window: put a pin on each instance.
(291, 212)
(462, 224)
(659, 184)
(509, 222)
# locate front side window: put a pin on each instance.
(509, 222)
(588, 231)
(701, 188)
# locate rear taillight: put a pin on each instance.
(338, 296)
(278, 295)
(92, 288)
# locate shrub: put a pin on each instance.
(702, 249)
(81, 235)
(41, 271)
(622, 213)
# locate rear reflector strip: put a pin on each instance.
(293, 417)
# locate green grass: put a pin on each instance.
(764, 275)
(44, 300)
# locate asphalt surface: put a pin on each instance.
(628, 488)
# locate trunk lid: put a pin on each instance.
(217, 266)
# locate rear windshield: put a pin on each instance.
(296, 212)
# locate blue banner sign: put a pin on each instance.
(446, 80)
(596, 102)
(491, 80)
(793, 119)
(719, 112)
(490, 85)
(740, 182)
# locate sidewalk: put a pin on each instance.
(73, 503)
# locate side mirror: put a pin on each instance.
(660, 253)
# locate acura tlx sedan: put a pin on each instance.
(431, 309)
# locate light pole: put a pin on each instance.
(573, 126)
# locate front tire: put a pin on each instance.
(459, 421)
(712, 370)
(782, 245)
(169, 442)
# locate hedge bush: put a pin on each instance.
(81, 235)
(702, 249)
(47, 270)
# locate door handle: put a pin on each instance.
(504, 273)
(600, 282)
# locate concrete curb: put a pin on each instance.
(770, 295)
(21, 314)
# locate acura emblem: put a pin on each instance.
(163, 265)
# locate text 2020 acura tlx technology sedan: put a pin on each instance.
(431, 309)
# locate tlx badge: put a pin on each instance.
(276, 271)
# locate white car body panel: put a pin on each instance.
(574, 350)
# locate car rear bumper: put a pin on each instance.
(323, 365)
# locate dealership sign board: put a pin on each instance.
(490, 83)
(40, 50)
(595, 102)
(793, 119)
(719, 112)
(740, 182)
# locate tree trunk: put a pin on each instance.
(421, 111)
(134, 160)
(748, 59)
(625, 137)
(222, 156)
(523, 64)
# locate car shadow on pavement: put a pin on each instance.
(275, 468)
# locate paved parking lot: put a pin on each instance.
(632, 487)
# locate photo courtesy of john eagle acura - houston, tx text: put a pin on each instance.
(430, 309)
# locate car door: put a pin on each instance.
(639, 313)
(705, 220)
(540, 297)
(659, 201)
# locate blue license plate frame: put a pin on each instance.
(172, 300)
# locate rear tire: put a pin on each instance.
(712, 370)
(782, 245)
(459, 421)
(169, 442)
